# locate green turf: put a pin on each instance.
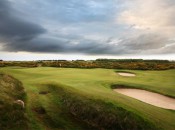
(96, 84)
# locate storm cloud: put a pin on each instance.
(94, 27)
(13, 28)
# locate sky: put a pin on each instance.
(87, 29)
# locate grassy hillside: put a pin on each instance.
(12, 115)
(89, 91)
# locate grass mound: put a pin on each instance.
(99, 114)
(44, 92)
(12, 115)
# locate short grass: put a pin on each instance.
(93, 83)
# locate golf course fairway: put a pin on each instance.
(71, 98)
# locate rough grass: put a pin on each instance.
(12, 115)
(50, 112)
(91, 86)
(97, 113)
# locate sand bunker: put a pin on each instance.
(149, 97)
(126, 74)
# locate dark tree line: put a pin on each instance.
(133, 64)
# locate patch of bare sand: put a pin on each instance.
(149, 97)
(126, 74)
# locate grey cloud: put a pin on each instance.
(13, 28)
(145, 42)
(167, 50)
(75, 22)
(21, 35)
(37, 45)
(72, 11)
(61, 45)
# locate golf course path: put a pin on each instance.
(149, 97)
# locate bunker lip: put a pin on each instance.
(148, 97)
(127, 74)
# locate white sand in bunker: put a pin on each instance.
(149, 97)
(126, 74)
